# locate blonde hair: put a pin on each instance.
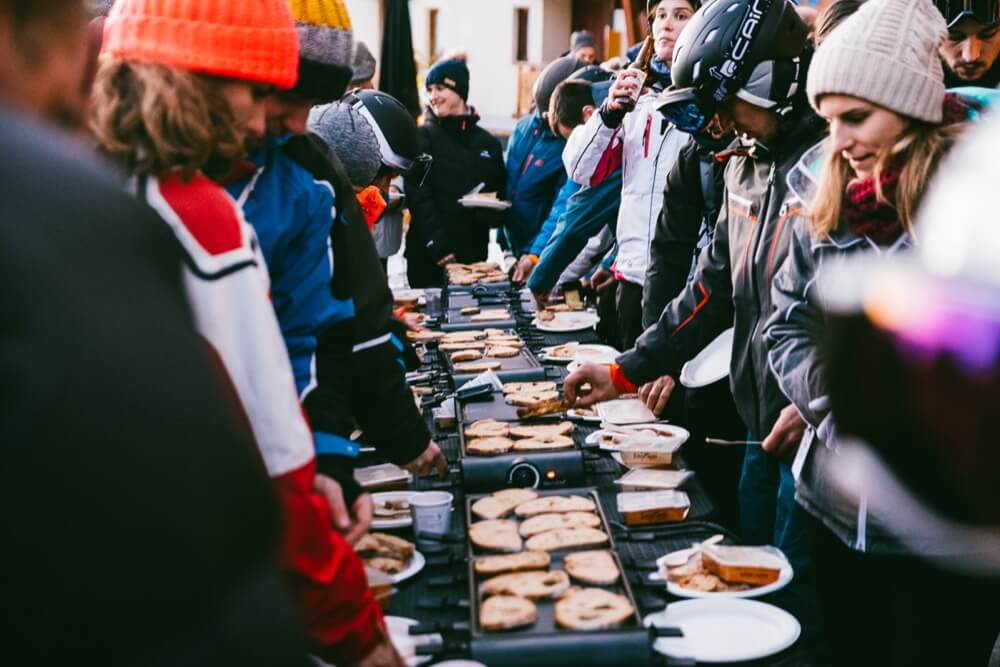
(153, 119)
(919, 151)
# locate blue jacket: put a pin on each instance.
(587, 211)
(535, 172)
(292, 215)
(551, 223)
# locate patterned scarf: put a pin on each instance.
(868, 215)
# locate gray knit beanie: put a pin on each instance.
(887, 54)
(364, 63)
(350, 136)
(581, 39)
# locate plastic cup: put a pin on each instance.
(431, 511)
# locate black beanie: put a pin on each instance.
(554, 73)
(450, 74)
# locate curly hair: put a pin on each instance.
(153, 119)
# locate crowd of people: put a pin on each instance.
(199, 201)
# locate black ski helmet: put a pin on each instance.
(748, 47)
(593, 74)
(394, 128)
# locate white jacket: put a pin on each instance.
(646, 146)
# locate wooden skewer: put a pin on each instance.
(717, 441)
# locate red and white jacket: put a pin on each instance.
(227, 286)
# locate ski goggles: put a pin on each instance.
(986, 12)
(687, 108)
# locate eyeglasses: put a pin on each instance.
(687, 109)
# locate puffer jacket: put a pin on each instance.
(646, 146)
(535, 175)
(731, 285)
(793, 338)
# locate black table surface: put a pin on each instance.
(438, 596)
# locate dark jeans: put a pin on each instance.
(770, 515)
(629, 311)
(900, 610)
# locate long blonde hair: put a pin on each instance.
(153, 119)
(918, 151)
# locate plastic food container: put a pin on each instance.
(647, 479)
(645, 508)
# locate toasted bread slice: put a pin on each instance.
(461, 346)
(490, 315)
(388, 546)
(531, 398)
(567, 538)
(477, 366)
(541, 430)
(544, 443)
(466, 355)
(471, 310)
(592, 609)
(549, 504)
(489, 446)
(502, 351)
(542, 409)
(495, 535)
(531, 585)
(528, 387)
(506, 612)
(387, 565)
(543, 523)
(487, 428)
(488, 566)
(596, 568)
(501, 503)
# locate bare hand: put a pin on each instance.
(626, 85)
(602, 280)
(383, 655)
(598, 376)
(413, 321)
(353, 523)
(447, 259)
(522, 270)
(657, 393)
(541, 300)
(783, 440)
(432, 460)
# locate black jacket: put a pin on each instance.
(464, 155)
(691, 202)
(139, 523)
(359, 370)
(732, 281)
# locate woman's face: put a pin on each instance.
(860, 131)
(246, 101)
(669, 18)
(444, 101)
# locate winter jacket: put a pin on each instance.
(793, 336)
(535, 174)
(732, 282)
(568, 189)
(464, 155)
(291, 215)
(646, 146)
(226, 282)
(360, 365)
(691, 201)
(590, 257)
(388, 231)
(127, 473)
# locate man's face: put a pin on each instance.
(285, 114)
(587, 54)
(971, 48)
(736, 116)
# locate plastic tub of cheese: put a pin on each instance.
(651, 507)
(651, 451)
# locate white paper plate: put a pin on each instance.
(484, 202)
(595, 437)
(593, 354)
(711, 365)
(406, 644)
(721, 630)
(567, 322)
(625, 411)
(416, 564)
(786, 576)
(401, 522)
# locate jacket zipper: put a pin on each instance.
(751, 275)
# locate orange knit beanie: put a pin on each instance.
(253, 40)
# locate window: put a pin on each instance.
(521, 34)
(432, 34)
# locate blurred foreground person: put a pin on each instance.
(173, 108)
(127, 470)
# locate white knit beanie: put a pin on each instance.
(885, 53)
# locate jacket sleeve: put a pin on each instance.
(692, 320)
(432, 227)
(597, 152)
(676, 236)
(588, 258)
(793, 331)
(545, 234)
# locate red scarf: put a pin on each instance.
(868, 215)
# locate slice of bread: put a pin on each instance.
(461, 346)
(506, 612)
(530, 398)
(528, 387)
(549, 504)
(477, 366)
(488, 446)
(502, 351)
(596, 568)
(375, 545)
(495, 535)
(490, 315)
(466, 355)
(541, 430)
(387, 565)
(543, 523)
(487, 428)
(531, 585)
(567, 538)
(488, 566)
(543, 443)
(501, 503)
(592, 609)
